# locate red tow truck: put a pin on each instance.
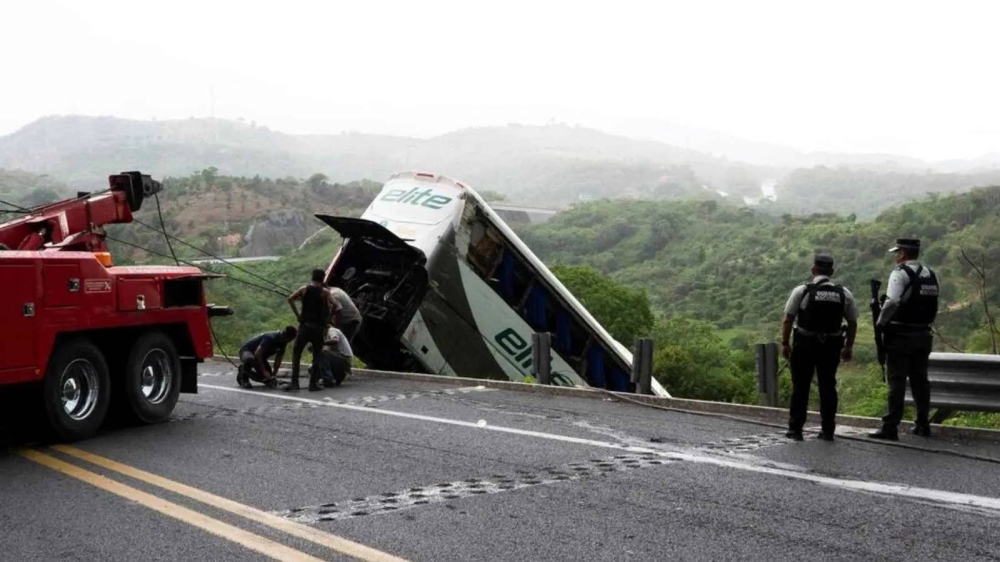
(79, 334)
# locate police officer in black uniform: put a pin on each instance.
(908, 312)
(816, 310)
(316, 306)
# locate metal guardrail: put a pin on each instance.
(962, 381)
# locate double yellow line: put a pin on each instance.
(247, 539)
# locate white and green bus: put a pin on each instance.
(447, 288)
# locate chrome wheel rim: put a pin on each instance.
(80, 389)
(157, 376)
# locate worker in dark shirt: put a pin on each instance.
(255, 353)
(317, 304)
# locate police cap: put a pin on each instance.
(905, 244)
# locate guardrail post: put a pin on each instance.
(767, 373)
(642, 365)
(541, 357)
(636, 363)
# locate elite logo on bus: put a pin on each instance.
(514, 345)
(414, 196)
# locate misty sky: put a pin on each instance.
(912, 78)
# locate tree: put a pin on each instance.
(982, 277)
(209, 175)
(692, 361)
(316, 182)
(622, 310)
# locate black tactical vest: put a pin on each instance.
(824, 309)
(315, 308)
(922, 305)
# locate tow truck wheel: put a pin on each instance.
(152, 380)
(76, 391)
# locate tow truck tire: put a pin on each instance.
(152, 381)
(76, 391)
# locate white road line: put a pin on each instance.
(952, 500)
(433, 419)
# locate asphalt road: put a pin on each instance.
(383, 469)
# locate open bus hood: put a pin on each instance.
(349, 227)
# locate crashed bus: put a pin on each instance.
(447, 288)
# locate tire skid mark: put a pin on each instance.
(746, 443)
(391, 502)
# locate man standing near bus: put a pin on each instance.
(347, 317)
(317, 302)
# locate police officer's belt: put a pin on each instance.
(821, 336)
(904, 327)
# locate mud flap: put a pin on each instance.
(189, 375)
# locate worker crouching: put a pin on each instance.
(255, 353)
(337, 358)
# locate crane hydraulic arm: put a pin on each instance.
(78, 224)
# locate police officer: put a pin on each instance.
(909, 309)
(816, 309)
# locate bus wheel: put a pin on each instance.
(76, 391)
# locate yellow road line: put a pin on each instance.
(293, 528)
(249, 540)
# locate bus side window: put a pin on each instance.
(484, 249)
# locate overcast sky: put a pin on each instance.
(912, 78)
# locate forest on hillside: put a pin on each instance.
(734, 267)
(221, 214)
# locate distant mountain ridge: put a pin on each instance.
(552, 165)
(83, 149)
(769, 154)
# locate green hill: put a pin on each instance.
(240, 216)
(866, 192)
(21, 188)
(734, 267)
